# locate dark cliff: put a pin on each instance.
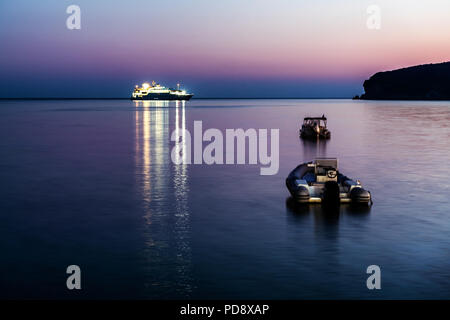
(425, 82)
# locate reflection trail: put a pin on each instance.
(182, 218)
(163, 189)
(313, 149)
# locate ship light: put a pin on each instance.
(145, 85)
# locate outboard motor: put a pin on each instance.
(331, 194)
(360, 196)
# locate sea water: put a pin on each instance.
(91, 183)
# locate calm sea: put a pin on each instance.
(92, 183)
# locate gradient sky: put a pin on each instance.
(232, 48)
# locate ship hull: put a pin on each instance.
(163, 96)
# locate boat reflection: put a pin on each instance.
(323, 215)
(314, 148)
(163, 187)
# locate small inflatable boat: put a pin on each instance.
(320, 181)
(315, 128)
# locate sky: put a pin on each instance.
(232, 48)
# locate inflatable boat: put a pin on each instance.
(320, 181)
(315, 128)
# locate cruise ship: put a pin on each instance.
(155, 91)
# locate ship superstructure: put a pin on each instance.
(155, 91)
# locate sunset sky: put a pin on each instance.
(232, 48)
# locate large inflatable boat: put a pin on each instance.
(320, 181)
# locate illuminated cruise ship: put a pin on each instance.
(158, 92)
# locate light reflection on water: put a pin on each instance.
(314, 148)
(160, 181)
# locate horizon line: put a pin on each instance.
(204, 98)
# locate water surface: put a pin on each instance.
(92, 183)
